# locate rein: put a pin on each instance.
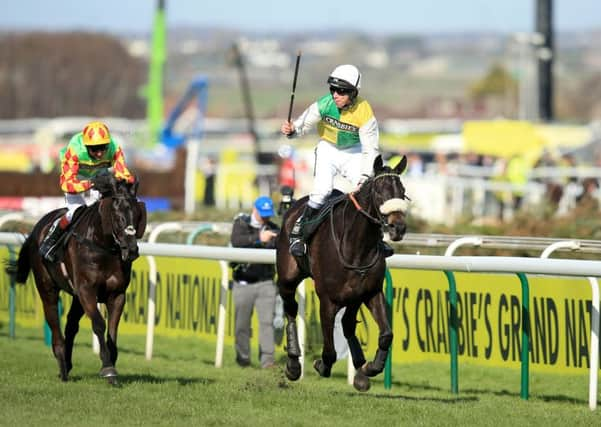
(361, 269)
(112, 250)
(380, 220)
(362, 211)
(90, 244)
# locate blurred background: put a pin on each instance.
(496, 104)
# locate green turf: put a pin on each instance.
(180, 386)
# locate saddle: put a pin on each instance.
(335, 197)
(61, 244)
(57, 270)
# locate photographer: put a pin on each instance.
(253, 283)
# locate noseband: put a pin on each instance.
(386, 208)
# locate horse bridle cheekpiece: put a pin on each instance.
(389, 206)
(395, 204)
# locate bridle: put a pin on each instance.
(113, 249)
(386, 208)
(380, 220)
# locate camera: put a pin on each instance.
(286, 200)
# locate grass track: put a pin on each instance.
(180, 386)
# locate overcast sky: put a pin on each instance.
(373, 16)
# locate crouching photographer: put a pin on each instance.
(253, 285)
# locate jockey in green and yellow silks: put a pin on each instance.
(348, 141)
(88, 153)
(341, 127)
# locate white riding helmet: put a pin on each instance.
(346, 77)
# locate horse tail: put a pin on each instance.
(23, 263)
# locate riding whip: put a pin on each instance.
(298, 56)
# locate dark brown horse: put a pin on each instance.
(94, 266)
(347, 265)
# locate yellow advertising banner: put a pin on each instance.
(489, 310)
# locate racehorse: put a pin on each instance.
(93, 265)
(345, 260)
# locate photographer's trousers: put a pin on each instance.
(259, 295)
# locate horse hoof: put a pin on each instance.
(293, 369)
(369, 370)
(108, 372)
(322, 369)
(361, 381)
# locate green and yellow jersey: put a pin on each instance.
(77, 167)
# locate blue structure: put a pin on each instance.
(198, 88)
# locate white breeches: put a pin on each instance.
(76, 200)
(330, 162)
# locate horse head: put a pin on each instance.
(123, 218)
(388, 196)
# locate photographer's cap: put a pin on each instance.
(264, 205)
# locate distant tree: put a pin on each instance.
(57, 74)
(497, 90)
(496, 82)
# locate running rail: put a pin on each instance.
(468, 264)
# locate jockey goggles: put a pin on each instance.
(340, 90)
(98, 148)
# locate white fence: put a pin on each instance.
(482, 264)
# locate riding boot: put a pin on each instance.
(298, 246)
(48, 246)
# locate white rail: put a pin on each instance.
(482, 264)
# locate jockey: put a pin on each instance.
(348, 143)
(88, 153)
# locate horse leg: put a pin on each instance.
(377, 307)
(327, 313)
(287, 292)
(349, 326)
(50, 303)
(87, 298)
(71, 329)
(115, 306)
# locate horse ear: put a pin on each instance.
(133, 188)
(378, 164)
(400, 167)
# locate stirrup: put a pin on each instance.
(48, 253)
(298, 248)
(48, 249)
(48, 246)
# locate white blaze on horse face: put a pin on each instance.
(394, 205)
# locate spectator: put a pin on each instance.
(253, 286)
(587, 199)
(209, 168)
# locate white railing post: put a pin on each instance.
(594, 355)
(471, 240)
(152, 284)
(11, 217)
(222, 315)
